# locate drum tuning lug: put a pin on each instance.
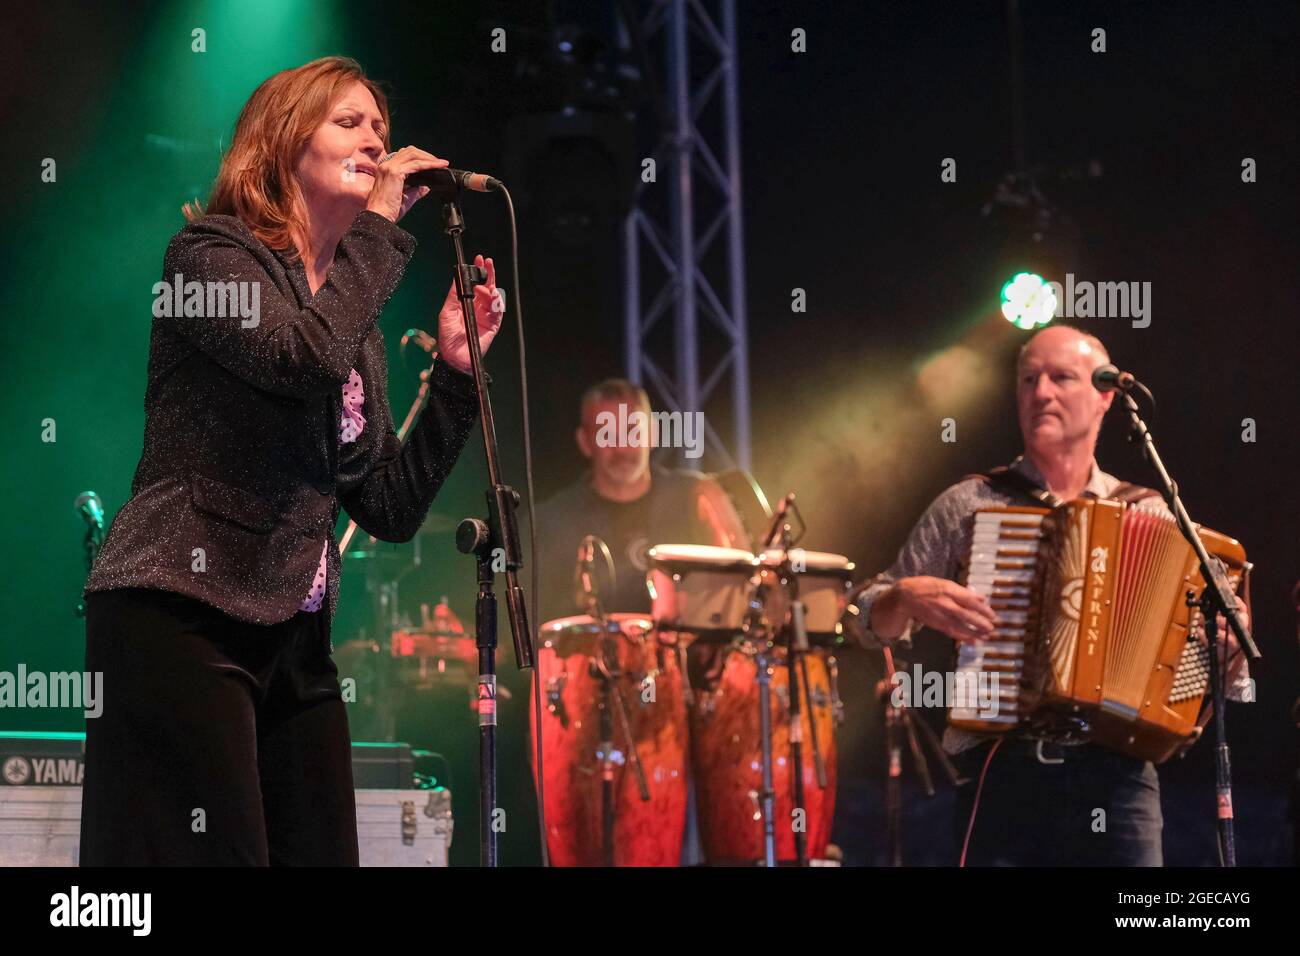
(837, 703)
(758, 809)
(555, 697)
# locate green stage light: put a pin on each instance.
(1028, 301)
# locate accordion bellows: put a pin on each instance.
(1094, 636)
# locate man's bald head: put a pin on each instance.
(1052, 335)
(1057, 405)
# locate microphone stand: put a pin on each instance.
(796, 642)
(796, 645)
(91, 545)
(1216, 598)
(799, 689)
(765, 642)
(494, 544)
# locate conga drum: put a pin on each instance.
(646, 673)
(823, 581)
(727, 759)
(726, 750)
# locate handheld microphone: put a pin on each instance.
(448, 180)
(440, 180)
(1107, 378)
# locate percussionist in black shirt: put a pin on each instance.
(629, 504)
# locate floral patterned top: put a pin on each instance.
(350, 426)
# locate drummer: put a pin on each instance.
(628, 503)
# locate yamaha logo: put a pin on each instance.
(17, 771)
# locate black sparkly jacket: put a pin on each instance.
(242, 473)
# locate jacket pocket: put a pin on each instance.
(233, 504)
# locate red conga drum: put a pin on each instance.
(726, 760)
(645, 832)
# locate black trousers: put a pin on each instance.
(1087, 806)
(220, 742)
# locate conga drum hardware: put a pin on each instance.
(833, 678)
(555, 697)
(820, 697)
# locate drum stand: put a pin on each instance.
(796, 665)
(767, 796)
(385, 569)
(799, 693)
(900, 720)
(384, 619)
(605, 666)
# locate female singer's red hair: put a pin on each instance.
(256, 180)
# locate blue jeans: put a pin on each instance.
(1095, 808)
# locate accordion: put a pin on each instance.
(1095, 638)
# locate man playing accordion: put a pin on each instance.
(1039, 801)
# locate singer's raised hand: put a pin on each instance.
(489, 309)
(390, 196)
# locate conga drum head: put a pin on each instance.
(823, 580)
(700, 589)
(581, 633)
(575, 655)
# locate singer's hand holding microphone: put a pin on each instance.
(392, 197)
